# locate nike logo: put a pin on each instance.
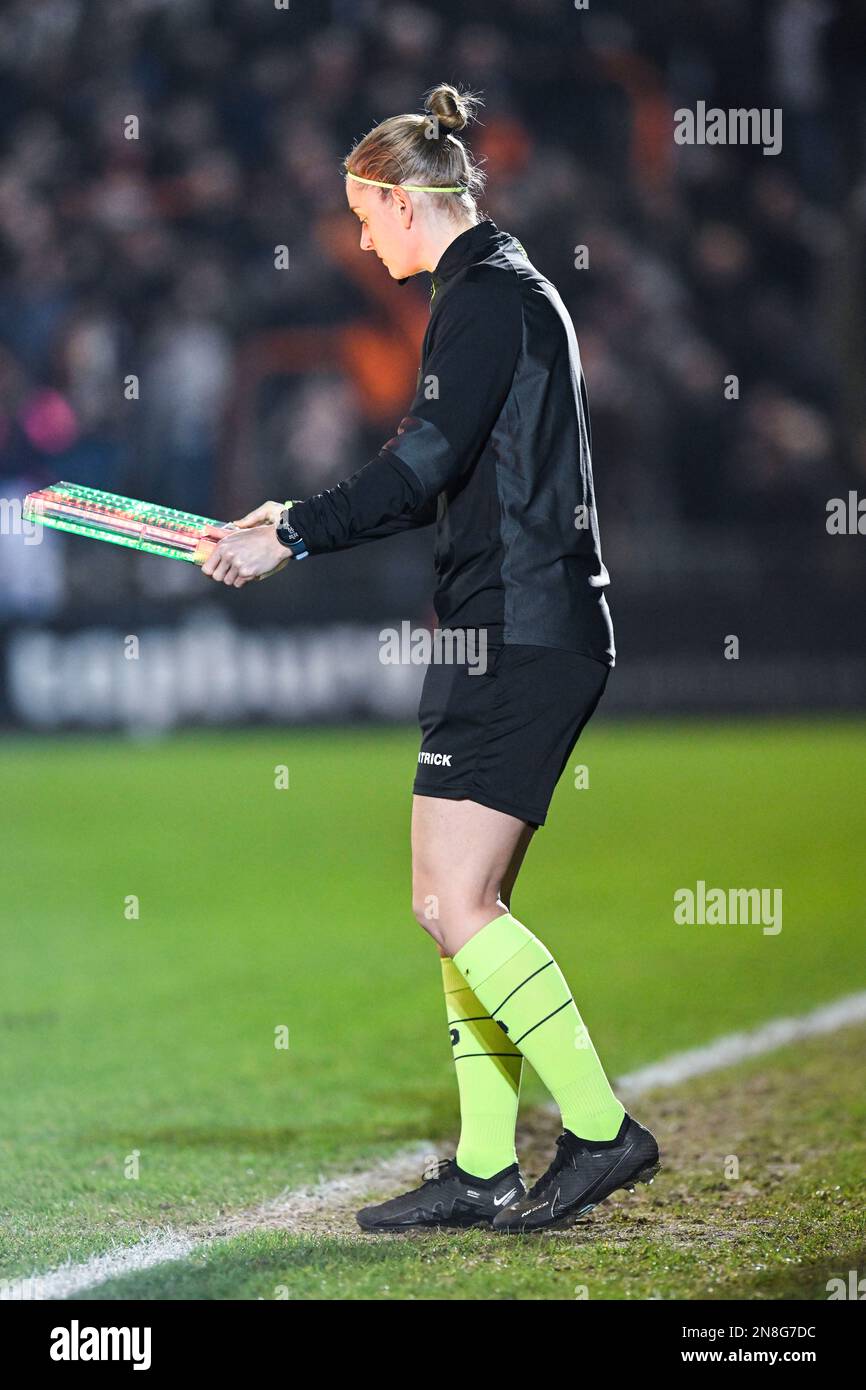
(500, 1201)
(606, 1177)
(622, 1160)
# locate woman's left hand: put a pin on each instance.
(245, 554)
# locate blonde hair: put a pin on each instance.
(424, 149)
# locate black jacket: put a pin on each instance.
(495, 449)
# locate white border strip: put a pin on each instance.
(161, 1247)
(736, 1047)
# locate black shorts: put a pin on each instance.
(504, 736)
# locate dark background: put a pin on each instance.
(155, 257)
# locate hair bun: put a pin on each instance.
(451, 108)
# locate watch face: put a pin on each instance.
(287, 535)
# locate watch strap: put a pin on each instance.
(289, 537)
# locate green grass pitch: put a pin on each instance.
(150, 1037)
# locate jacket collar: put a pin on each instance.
(469, 246)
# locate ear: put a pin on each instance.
(404, 207)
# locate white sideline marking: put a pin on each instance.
(154, 1249)
(736, 1047)
(159, 1248)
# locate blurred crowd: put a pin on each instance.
(149, 345)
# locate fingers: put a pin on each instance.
(236, 576)
(234, 573)
(222, 566)
(238, 559)
(213, 560)
(268, 514)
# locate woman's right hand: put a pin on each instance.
(268, 514)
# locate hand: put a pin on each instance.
(268, 514)
(254, 553)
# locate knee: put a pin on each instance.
(441, 913)
(426, 907)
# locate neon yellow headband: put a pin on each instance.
(413, 187)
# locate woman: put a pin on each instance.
(496, 451)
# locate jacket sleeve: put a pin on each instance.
(381, 499)
(474, 340)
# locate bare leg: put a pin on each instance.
(464, 857)
(510, 877)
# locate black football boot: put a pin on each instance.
(449, 1197)
(582, 1174)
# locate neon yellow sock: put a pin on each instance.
(488, 1079)
(521, 986)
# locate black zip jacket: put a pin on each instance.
(496, 450)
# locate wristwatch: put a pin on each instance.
(289, 537)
